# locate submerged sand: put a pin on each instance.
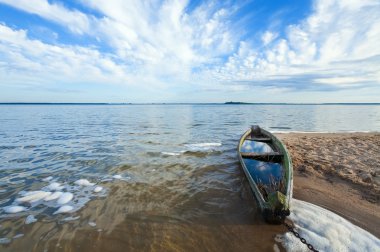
(340, 172)
(182, 205)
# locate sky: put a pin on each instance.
(190, 51)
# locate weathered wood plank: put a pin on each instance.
(271, 156)
(259, 139)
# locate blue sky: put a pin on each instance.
(189, 51)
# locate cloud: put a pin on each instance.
(164, 38)
(76, 21)
(23, 59)
(324, 48)
(165, 44)
(158, 38)
(268, 37)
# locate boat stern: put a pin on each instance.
(278, 208)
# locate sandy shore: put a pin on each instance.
(340, 172)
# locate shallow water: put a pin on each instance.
(170, 177)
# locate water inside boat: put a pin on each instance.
(254, 146)
(266, 174)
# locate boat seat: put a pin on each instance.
(269, 156)
(259, 139)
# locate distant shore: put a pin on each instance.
(340, 172)
(186, 103)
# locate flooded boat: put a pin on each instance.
(268, 167)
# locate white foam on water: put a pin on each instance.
(71, 218)
(5, 241)
(98, 189)
(83, 191)
(83, 195)
(33, 196)
(92, 224)
(55, 186)
(172, 153)
(53, 196)
(203, 146)
(18, 236)
(14, 209)
(47, 178)
(117, 176)
(65, 198)
(326, 231)
(30, 219)
(64, 209)
(83, 182)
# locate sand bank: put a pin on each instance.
(340, 172)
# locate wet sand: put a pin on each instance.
(340, 172)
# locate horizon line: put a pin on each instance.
(188, 103)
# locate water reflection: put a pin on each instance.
(264, 172)
(257, 147)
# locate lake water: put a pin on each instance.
(166, 176)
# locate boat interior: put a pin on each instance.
(264, 163)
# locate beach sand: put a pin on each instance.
(340, 172)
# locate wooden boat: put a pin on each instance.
(268, 167)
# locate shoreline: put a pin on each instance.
(316, 133)
(339, 172)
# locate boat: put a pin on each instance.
(268, 168)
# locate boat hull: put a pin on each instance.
(273, 158)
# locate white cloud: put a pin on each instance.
(161, 43)
(163, 37)
(268, 37)
(155, 34)
(76, 21)
(343, 81)
(336, 45)
(40, 63)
